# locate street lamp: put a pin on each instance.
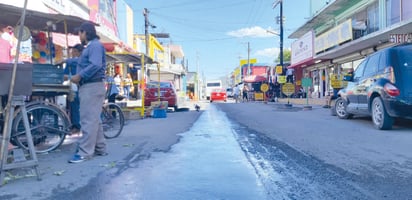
(280, 3)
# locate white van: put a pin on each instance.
(210, 85)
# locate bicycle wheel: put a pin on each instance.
(48, 125)
(112, 120)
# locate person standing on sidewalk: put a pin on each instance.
(69, 71)
(236, 92)
(245, 91)
(90, 77)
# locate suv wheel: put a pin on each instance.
(381, 119)
(340, 109)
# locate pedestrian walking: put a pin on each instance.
(127, 84)
(90, 77)
(236, 92)
(245, 91)
(69, 71)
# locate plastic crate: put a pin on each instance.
(46, 74)
(23, 82)
(159, 113)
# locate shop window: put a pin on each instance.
(359, 24)
(373, 18)
(392, 11)
(406, 10)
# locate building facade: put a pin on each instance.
(344, 32)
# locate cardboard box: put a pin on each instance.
(131, 114)
(159, 104)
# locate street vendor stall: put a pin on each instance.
(135, 59)
(38, 48)
(32, 73)
(255, 82)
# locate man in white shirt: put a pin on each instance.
(236, 92)
(289, 75)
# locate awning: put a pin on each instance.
(127, 58)
(11, 15)
(304, 63)
(254, 78)
(60, 39)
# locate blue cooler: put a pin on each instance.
(159, 113)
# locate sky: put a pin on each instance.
(214, 34)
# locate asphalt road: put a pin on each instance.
(293, 153)
(322, 157)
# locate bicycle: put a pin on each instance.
(112, 119)
(49, 125)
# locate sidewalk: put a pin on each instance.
(59, 178)
(303, 101)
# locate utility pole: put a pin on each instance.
(197, 77)
(146, 29)
(280, 2)
(248, 59)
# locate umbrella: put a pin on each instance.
(254, 78)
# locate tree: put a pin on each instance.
(286, 56)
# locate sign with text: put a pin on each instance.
(400, 38)
(281, 79)
(279, 69)
(288, 89)
(264, 87)
(333, 37)
(251, 61)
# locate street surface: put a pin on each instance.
(235, 151)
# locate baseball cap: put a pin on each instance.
(79, 47)
(86, 26)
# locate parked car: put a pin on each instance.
(229, 92)
(167, 93)
(381, 87)
(218, 95)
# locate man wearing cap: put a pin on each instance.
(69, 71)
(90, 77)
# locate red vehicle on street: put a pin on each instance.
(218, 95)
(167, 93)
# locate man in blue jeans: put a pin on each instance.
(69, 71)
(90, 77)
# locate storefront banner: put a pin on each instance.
(302, 48)
(333, 37)
(251, 61)
(101, 12)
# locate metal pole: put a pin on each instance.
(248, 59)
(281, 33)
(142, 83)
(8, 112)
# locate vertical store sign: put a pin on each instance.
(102, 13)
(302, 49)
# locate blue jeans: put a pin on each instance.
(75, 111)
(126, 90)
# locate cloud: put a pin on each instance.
(255, 31)
(268, 52)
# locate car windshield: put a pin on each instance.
(156, 84)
